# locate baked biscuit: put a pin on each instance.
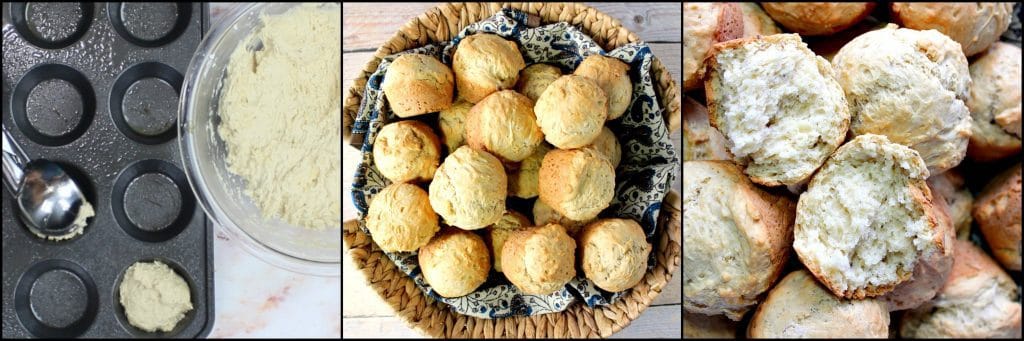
(995, 103)
(950, 186)
(522, 180)
(606, 144)
(931, 270)
(867, 218)
(778, 105)
(571, 111)
(544, 214)
(407, 231)
(453, 124)
(503, 124)
(578, 183)
(828, 46)
(539, 260)
(737, 239)
(800, 307)
(613, 253)
(535, 78)
(612, 75)
(914, 93)
(700, 140)
(469, 189)
(406, 151)
(817, 18)
(455, 262)
(417, 84)
(756, 22)
(997, 212)
(975, 25)
(705, 24)
(485, 63)
(978, 301)
(498, 233)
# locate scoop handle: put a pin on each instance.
(14, 163)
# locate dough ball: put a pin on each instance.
(154, 297)
(400, 218)
(503, 123)
(498, 233)
(455, 262)
(453, 124)
(469, 189)
(571, 111)
(614, 253)
(406, 151)
(606, 144)
(578, 183)
(485, 63)
(534, 79)
(612, 75)
(540, 260)
(522, 181)
(417, 84)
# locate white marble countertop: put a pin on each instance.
(255, 299)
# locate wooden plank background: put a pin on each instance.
(366, 26)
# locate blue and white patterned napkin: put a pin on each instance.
(648, 167)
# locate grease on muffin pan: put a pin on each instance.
(95, 87)
(151, 201)
(52, 25)
(53, 104)
(149, 24)
(144, 102)
(54, 298)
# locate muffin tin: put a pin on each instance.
(94, 87)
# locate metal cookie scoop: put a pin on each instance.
(50, 203)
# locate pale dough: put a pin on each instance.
(281, 116)
(154, 297)
(77, 227)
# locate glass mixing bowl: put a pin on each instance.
(220, 192)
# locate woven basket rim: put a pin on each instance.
(434, 318)
(412, 32)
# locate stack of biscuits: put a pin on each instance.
(838, 158)
(504, 129)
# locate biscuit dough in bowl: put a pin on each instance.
(280, 108)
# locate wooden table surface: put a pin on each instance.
(365, 26)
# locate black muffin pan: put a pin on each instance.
(95, 88)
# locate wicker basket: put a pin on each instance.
(435, 319)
